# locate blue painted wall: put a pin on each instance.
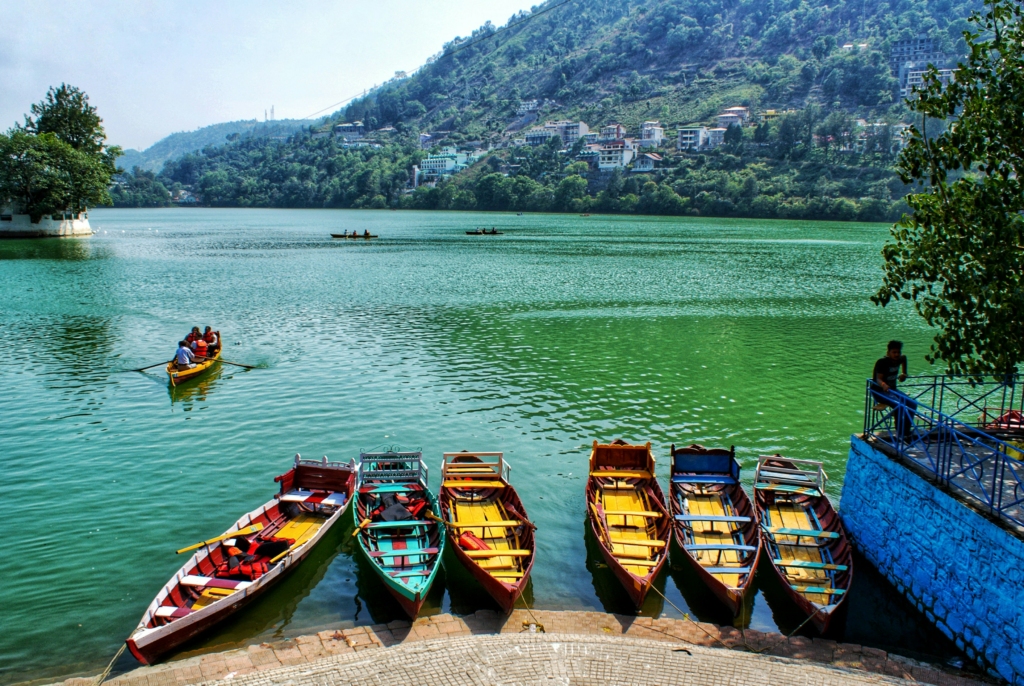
(964, 572)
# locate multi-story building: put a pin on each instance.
(539, 136)
(350, 131)
(733, 115)
(651, 134)
(614, 154)
(613, 132)
(645, 162)
(716, 137)
(920, 49)
(445, 163)
(527, 106)
(568, 131)
(914, 77)
(692, 138)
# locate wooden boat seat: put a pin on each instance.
(768, 474)
(702, 479)
(786, 488)
(209, 582)
(397, 525)
(497, 553)
(389, 488)
(727, 570)
(473, 483)
(710, 518)
(209, 596)
(639, 563)
(813, 533)
(622, 473)
(641, 542)
(403, 553)
(500, 574)
(817, 589)
(402, 575)
(500, 524)
(631, 513)
(171, 612)
(805, 564)
(706, 546)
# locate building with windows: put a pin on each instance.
(613, 132)
(539, 136)
(692, 138)
(350, 131)
(645, 162)
(447, 162)
(651, 134)
(716, 137)
(615, 154)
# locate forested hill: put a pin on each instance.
(680, 62)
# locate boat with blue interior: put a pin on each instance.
(398, 525)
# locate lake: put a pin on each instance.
(565, 329)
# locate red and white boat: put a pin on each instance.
(229, 571)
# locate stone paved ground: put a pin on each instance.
(591, 646)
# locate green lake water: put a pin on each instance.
(757, 334)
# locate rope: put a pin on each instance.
(745, 645)
(526, 625)
(106, 672)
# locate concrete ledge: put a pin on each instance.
(577, 647)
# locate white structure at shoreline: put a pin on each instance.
(65, 225)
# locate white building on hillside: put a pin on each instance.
(692, 138)
(651, 134)
(614, 154)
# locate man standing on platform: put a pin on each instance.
(885, 377)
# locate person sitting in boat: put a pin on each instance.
(212, 342)
(200, 348)
(193, 335)
(184, 357)
(366, 233)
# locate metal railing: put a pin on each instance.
(959, 450)
(973, 402)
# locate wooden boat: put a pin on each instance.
(803, 535)
(627, 514)
(398, 524)
(714, 522)
(178, 377)
(484, 232)
(499, 555)
(353, 235)
(273, 538)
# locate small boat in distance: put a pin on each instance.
(486, 524)
(229, 571)
(627, 514)
(398, 524)
(714, 521)
(354, 235)
(179, 376)
(803, 535)
(484, 232)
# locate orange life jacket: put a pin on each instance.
(209, 337)
(200, 348)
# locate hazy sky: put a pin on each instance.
(157, 67)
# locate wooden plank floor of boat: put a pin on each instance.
(635, 557)
(302, 528)
(503, 568)
(785, 513)
(717, 504)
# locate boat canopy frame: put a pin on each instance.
(814, 478)
(499, 470)
(392, 466)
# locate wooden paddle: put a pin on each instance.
(142, 369)
(362, 525)
(237, 364)
(280, 556)
(521, 518)
(434, 517)
(241, 532)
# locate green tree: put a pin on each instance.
(960, 256)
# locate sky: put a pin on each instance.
(153, 68)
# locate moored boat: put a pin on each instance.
(180, 376)
(627, 514)
(803, 536)
(229, 571)
(486, 523)
(714, 522)
(398, 524)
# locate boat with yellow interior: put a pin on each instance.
(627, 514)
(180, 376)
(486, 523)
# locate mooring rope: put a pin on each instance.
(106, 672)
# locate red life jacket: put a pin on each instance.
(200, 348)
(209, 337)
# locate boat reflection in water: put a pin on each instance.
(467, 595)
(701, 602)
(196, 391)
(609, 589)
(380, 604)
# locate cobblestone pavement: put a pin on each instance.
(577, 648)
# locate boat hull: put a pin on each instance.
(177, 377)
(636, 587)
(149, 643)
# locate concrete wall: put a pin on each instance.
(21, 226)
(962, 570)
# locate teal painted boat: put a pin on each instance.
(398, 524)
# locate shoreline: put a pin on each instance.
(823, 660)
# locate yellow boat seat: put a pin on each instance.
(622, 474)
(473, 483)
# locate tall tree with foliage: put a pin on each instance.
(960, 256)
(58, 161)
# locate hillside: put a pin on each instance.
(181, 143)
(823, 65)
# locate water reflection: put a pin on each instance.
(60, 249)
(381, 605)
(700, 600)
(467, 595)
(195, 390)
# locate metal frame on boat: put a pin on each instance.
(803, 535)
(312, 498)
(633, 533)
(714, 522)
(475, 490)
(398, 524)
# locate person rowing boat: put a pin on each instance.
(184, 358)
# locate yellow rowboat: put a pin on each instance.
(486, 524)
(180, 376)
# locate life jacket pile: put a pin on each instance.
(246, 563)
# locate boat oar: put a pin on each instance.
(522, 518)
(278, 557)
(241, 532)
(237, 364)
(362, 525)
(142, 369)
(430, 515)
